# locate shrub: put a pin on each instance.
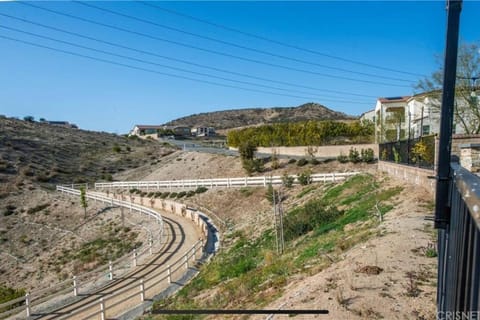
(190, 193)
(302, 162)
(367, 155)
(9, 210)
(181, 194)
(201, 190)
(305, 178)
(314, 161)
(270, 194)
(342, 158)
(287, 180)
(116, 148)
(253, 165)
(165, 195)
(353, 155)
(291, 161)
(38, 208)
(304, 219)
(173, 195)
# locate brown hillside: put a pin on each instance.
(246, 117)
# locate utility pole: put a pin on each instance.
(442, 209)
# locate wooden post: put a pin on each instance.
(110, 270)
(169, 274)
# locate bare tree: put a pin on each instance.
(467, 113)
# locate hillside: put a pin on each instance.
(246, 117)
(32, 152)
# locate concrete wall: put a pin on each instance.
(415, 176)
(321, 151)
(463, 139)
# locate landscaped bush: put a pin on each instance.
(291, 161)
(353, 155)
(314, 161)
(201, 190)
(367, 155)
(181, 194)
(302, 162)
(190, 193)
(173, 195)
(287, 180)
(305, 178)
(165, 195)
(342, 158)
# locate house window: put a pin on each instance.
(425, 130)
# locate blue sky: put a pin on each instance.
(405, 36)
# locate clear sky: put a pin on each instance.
(285, 54)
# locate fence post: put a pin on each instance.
(142, 291)
(134, 257)
(27, 303)
(333, 174)
(186, 260)
(193, 254)
(169, 274)
(102, 309)
(264, 181)
(75, 286)
(110, 270)
(150, 245)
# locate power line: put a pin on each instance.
(155, 71)
(234, 44)
(206, 50)
(284, 44)
(180, 60)
(156, 64)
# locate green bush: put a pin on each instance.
(190, 193)
(173, 195)
(314, 161)
(270, 194)
(354, 155)
(305, 219)
(367, 155)
(305, 178)
(342, 158)
(291, 161)
(287, 180)
(181, 194)
(116, 148)
(165, 195)
(302, 162)
(38, 208)
(201, 190)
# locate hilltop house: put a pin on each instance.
(202, 131)
(141, 130)
(398, 118)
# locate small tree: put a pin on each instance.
(29, 118)
(287, 180)
(83, 200)
(271, 194)
(305, 178)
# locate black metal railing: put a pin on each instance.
(418, 152)
(459, 249)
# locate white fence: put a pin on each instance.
(95, 278)
(133, 294)
(222, 182)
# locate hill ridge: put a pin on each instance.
(226, 119)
